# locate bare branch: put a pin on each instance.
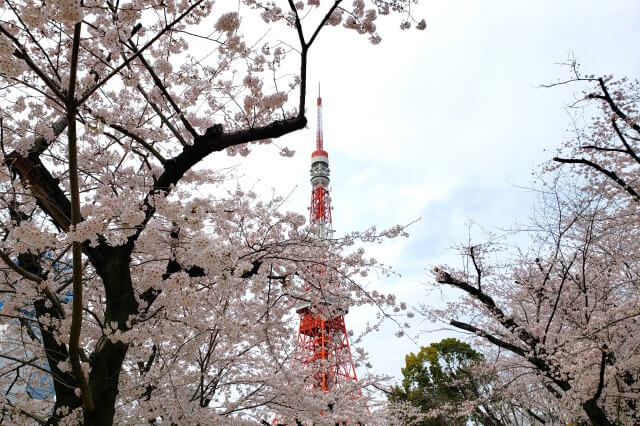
(323, 22)
(477, 268)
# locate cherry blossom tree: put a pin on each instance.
(141, 300)
(560, 321)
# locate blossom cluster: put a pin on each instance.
(228, 23)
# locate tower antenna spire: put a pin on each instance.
(319, 141)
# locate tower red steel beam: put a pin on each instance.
(322, 335)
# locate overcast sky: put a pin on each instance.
(444, 125)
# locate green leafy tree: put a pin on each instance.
(431, 379)
(445, 381)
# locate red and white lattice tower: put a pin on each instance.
(322, 336)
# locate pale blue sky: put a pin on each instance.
(444, 125)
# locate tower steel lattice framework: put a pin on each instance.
(323, 343)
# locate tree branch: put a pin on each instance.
(535, 360)
(119, 68)
(496, 341)
(214, 140)
(165, 92)
(614, 107)
(303, 43)
(76, 248)
(612, 175)
(477, 268)
(508, 323)
(533, 343)
(323, 22)
(599, 148)
(628, 147)
(21, 53)
(19, 270)
(35, 278)
(603, 364)
(141, 141)
(26, 413)
(43, 186)
(164, 119)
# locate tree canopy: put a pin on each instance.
(435, 377)
(560, 320)
(169, 306)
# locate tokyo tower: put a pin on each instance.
(323, 344)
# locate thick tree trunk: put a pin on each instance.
(112, 264)
(64, 383)
(596, 415)
(103, 381)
